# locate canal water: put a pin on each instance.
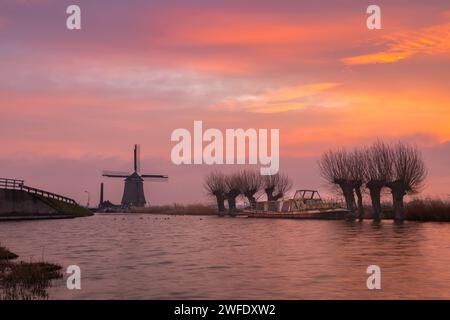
(191, 257)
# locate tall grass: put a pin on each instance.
(25, 280)
(178, 209)
(428, 210)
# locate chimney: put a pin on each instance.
(101, 194)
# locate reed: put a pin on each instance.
(428, 210)
(25, 280)
(178, 209)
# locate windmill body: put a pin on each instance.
(133, 192)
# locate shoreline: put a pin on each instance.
(34, 217)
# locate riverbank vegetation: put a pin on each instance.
(25, 280)
(396, 169)
(178, 209)
(74, 210)
(428, 210)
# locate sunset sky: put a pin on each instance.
(73, 103)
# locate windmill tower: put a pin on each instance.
(133, 192)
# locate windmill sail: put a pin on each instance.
(155, 177)
(137, 158)
(116, 174)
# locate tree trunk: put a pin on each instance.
(360, 203)
(397, 200)
(375, 196)
(349, 197)
(251, 199)
(269, 193)
(220, 204)
(231, 203)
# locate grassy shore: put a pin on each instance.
(74, 210)
(25, 280)
(428, 210)
(418, 210)
(178, 209)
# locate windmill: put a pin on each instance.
(133, 192)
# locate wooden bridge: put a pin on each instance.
(14, 184)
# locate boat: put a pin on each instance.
(306, 204)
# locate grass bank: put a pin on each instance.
(74, 210)
(25, 280)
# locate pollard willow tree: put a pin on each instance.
(334, 168)
(232, 190)
(215, 186)
(250, 182)
(399, 167)
(378, 172)
(276, 186)
(408, 175)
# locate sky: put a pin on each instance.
(73, 103)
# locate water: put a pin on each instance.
(191, 257)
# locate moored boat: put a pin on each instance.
(306, 204)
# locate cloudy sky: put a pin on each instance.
(73, 103)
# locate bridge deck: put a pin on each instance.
(14, 184)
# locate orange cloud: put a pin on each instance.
(278, 100)
(421, 117)
(428, 41)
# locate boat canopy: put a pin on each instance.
(304, 194)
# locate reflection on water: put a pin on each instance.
(188, 257)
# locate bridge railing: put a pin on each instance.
(14, 184)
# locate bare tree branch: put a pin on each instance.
(276, 186)
(250, 182)
(408, 174)
(335, 170)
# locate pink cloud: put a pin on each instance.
(73, 104)
(278, 100)
(31, 2)
(3, 21)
